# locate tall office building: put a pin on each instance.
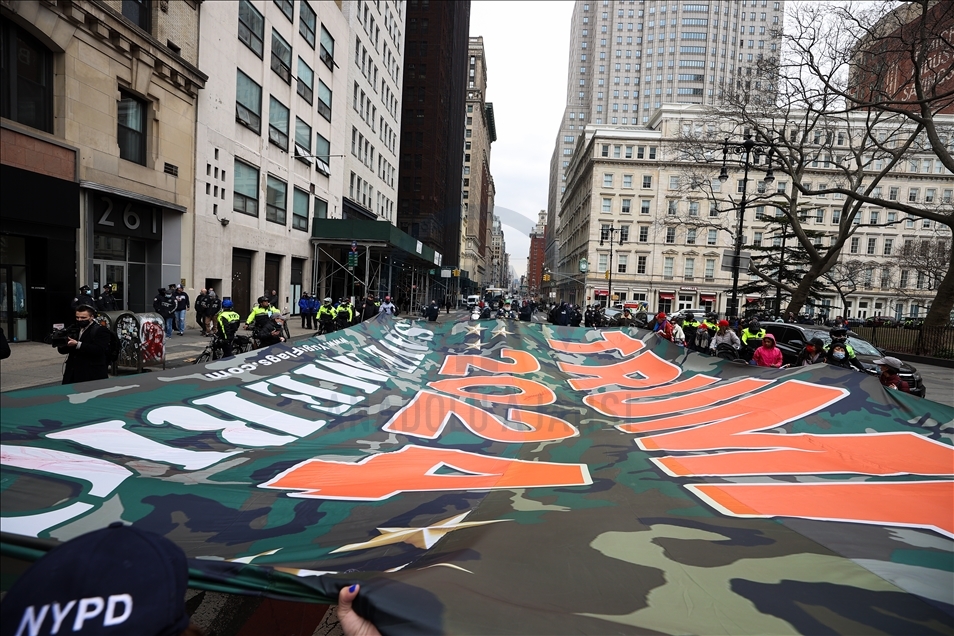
(432, 124)
(629, 58)
(478, 185)
(376, 52)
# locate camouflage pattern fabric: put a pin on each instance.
(504, 477)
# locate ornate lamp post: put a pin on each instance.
(607, 234)
(743, 152)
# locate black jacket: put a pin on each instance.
(164, 305)
(83, 299)
(182, 300)
(432, 312)
(87, 362)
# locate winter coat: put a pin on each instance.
(768, 356)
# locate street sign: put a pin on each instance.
(728, 257)
(446, 273)
(354, 246)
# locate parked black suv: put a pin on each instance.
(792, 338)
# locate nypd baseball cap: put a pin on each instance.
(118, 580)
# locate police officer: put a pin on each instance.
(839, 336)
(344, 315)
(307, 306)
(83, 298)
(263, 308)
(751, 337)
(228, 323)
(326, 317)
(106, 302)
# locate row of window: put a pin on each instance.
(246, 197)
(251, 31)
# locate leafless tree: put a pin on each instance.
(846, 277)
(837, 132)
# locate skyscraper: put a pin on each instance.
(432, 126)
(629, 58)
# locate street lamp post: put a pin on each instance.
(744, 151)
(608, 234)
(781, 265)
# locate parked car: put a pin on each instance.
(880, 321)
(790, 339)
(854, 322)
(697, 313)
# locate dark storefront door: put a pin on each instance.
(241, 281)
(273, 275)
(294, 290)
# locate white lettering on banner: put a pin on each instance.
(404, 343)
(415, 358)
(233, 431)
(33, 525)
(230, 403)
(305, 393)
(311, 371)
(112, 437)
(355, 369)
(103, 476)
(391, 361)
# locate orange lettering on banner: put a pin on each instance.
(652, 370)
(523, 362)
(531, 393)
(428, 414)
(675, 388)
(611, 340)
(414, 468)
(739, 425)
(624, 404)
(921, 504)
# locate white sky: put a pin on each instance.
(526, 44)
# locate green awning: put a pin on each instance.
(373, 233)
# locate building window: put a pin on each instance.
(710, 269)
(691, 236)
(287, 8)
(601, 263)
(607, 206)
(307, 23)
(245, 195)
(138, 12)
(27, 74)
(693, 208)
(321, 208)
(855, 242)
(302, 139)
(300, 210)
(913, 195)
(131, 129)
(647, 181)
(644, 207)
(251, 28)
(607, 181)
(622, 263)
(690, 269)
(324, 100)
(670, 235)
(278, 123)
(322, 154)
(248, 102)
(327, 52)
(668, 263)
(627, 181)
(711, 237)
(643, 233)
(640, 264)
(306, 81)
(626, 206)
(281, 57)
(888, 244)
(275, 191)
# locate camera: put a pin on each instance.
(60, 337)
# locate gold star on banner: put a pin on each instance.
(474, 345)
(423, 538)
(500, 331)
(475, 330)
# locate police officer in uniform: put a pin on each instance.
(83, 298)
(228, 323)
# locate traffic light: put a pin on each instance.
(546, 278)
(606, 274)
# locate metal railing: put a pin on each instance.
(932, 342)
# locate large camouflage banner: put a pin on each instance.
(502, 477)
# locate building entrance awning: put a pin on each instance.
(366, 233)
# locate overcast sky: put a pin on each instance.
(526, 45)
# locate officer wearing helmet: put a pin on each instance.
(227, 323)
(839, 336)
(326, 316)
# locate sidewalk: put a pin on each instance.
(33, 364)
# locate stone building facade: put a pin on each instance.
(670, 241)
(99, 111)
(270, 140)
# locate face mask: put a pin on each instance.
(83, 323)
(839, 355)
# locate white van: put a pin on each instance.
(472, 301)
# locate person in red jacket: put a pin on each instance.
(768, 355)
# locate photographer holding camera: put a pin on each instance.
(87, 345)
